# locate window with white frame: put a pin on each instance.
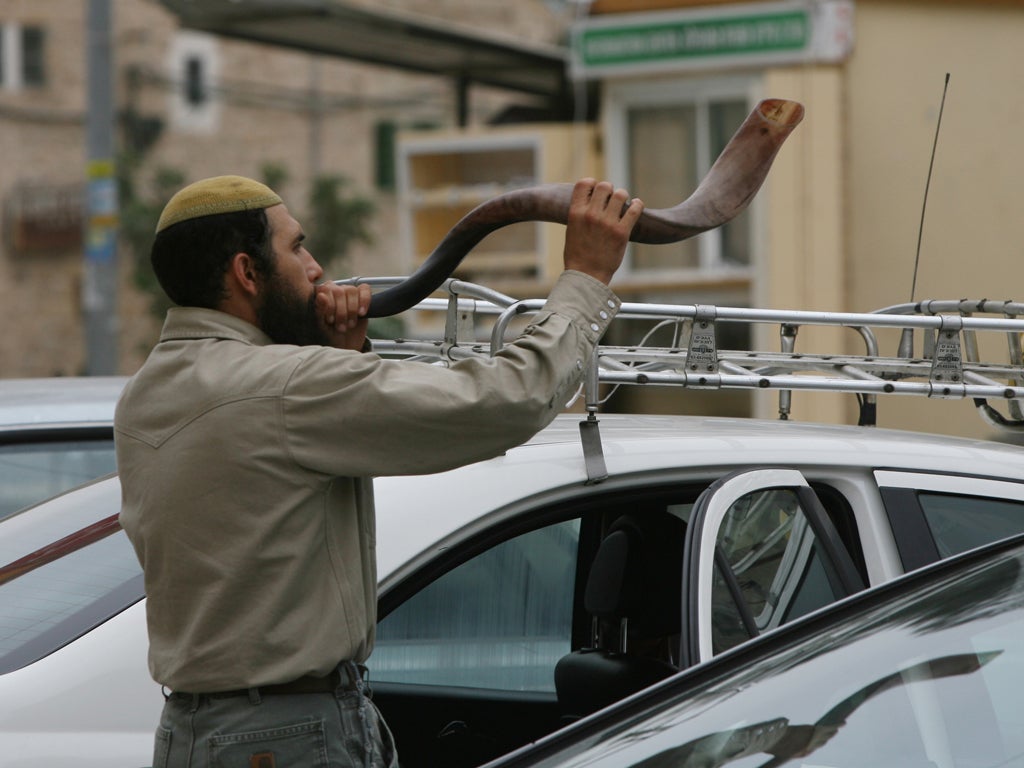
(195, 67)
(663, 137)
(22, 56)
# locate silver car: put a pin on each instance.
(486, 640)
(55, 434)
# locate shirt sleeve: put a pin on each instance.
(352, 414)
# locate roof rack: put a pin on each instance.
(952, 334)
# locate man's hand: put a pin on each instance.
(599, 225)
(341, 311)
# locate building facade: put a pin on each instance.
(190, 105)
(836, 226)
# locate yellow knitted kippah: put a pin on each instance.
(220, 194)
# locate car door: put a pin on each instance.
(934, 515)
(462, 668)
(760, 551)
(919, 673)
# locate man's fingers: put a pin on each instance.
(633, 211)
(356, 302)
(351, 300)
(604, 192)
(617, 203)
(325, 303)
(343, 306)
(601, 198)
(365, 295)
(582, 192)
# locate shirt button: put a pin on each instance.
(595, 327)
(579, 365)
(611, 303)
(604, 315)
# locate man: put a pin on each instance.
(246, 445)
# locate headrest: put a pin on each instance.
(614, 584)
(637, 574)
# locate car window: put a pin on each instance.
(501, 620)
(936, 515)
(64, 569)
(958, 523)
(32, 472)
(770, 567)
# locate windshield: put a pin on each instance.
(65, 566)
(932, 678)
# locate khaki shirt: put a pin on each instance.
(246, 473)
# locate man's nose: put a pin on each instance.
(314, 271)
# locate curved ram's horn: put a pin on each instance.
(727, 189)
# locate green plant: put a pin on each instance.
(139, 211)
(339, 218)
(139, 216)
(275, 175)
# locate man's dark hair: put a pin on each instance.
(190, 258)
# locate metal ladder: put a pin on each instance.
(949, 365)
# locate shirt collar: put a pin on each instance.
(200, 323)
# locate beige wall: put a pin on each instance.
(974, 227)
(846, 193)
(803, 205)
(839, 214)
(42, 141)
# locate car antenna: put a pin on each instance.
(906, 348)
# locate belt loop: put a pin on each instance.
(364, 676)
(254, 696)
(351, 672)
(353, 677)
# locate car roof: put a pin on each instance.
(59, 401)
(636, 447)
(550, 468)
(565, 428)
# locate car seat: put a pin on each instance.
(634, 596)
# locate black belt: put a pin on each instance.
(339, 678)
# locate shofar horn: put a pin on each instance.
(727, 189)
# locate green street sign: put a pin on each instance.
(705, 37)
(739, 34)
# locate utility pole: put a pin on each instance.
(99, 284)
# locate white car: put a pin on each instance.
(507, 586)
(483, 573)
(55, 433)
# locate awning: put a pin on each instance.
(385, 37)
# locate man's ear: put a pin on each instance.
(243, 273)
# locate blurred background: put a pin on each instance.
(382, 122)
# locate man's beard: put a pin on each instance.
(287, 317)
